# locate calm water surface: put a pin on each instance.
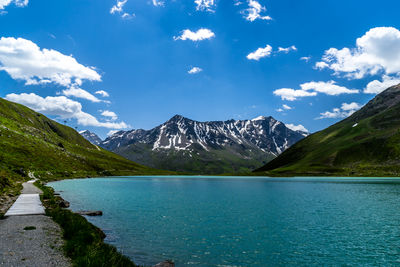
(213, 221)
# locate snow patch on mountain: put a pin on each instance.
(182, 134)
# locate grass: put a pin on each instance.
(33, 145)
(372, 148)
(231, 159)
(83, 241)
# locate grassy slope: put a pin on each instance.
(215, 161)
(372, 148)
(30, 142)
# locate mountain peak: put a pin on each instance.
(205, 147)
(177, 117)
(91, 137)
(383, 101)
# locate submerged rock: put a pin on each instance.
(167, 263)
(91, 212)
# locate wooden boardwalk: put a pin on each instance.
(28, 203)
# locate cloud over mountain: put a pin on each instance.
(378, 50)
(63, 108)
(346, 110)
(312, 89)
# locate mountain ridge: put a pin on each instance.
(182, 144)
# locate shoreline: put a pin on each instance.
(58, 214)
(84, 242)
(29, 237)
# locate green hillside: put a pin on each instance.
(365, 144)
(31, 144)
(200, 161)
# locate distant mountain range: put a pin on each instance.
(365, 144)
(181, 144)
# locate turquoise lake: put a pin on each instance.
(230, 221)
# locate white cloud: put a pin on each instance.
(102, 93)
(24, 60)
(312, 89)
(18, 3)
(110, 114)
(254, 11)
(344, 111)
(260, 53)
(299, 127)
(350, 106)
(199, 35)
(287, 49)
(128, 16)
(376, 87)
(80, 93)
(205, 5)
(329, 88)
(376, 51)
(286, 107)
(118, 7)
(291, 94)
(63, 108)
(195, 70)
(306, 59)
(158, 3)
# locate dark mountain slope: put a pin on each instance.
(365, 144)
(33, 145)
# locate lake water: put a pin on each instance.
(214, 221)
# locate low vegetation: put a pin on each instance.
(365, 144)
(83, 241)
(31, 145)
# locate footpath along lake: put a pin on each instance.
(239, 221)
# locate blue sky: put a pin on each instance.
(139, 55)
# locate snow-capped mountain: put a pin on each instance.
(91, 137)
(216, 146)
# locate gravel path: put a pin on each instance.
(39, 246)
(29, 188)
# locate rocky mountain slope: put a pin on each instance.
(91, 137)
(31, 145)
(365, 144)
(181, 144)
